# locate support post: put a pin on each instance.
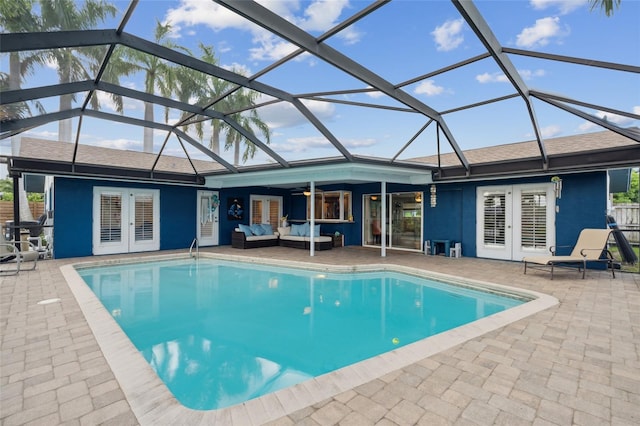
(383, 229)
(312, 223)
(16, 208)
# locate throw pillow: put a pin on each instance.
(306, 230)
(268, 229)
(257, 229)
(297, 230)
(245, 229)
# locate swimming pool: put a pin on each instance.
(220, 333)
(152, 402)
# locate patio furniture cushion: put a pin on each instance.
(246, 229)
(256, 229)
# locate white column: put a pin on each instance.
(383, 219)
(312, 223)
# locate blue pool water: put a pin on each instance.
(220, 333)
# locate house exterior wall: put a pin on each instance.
(73, 201)
(582, 205)
(73, 215)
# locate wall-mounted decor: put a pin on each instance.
(235, 208)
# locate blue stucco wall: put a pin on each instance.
(227, 225)
(73, 203)
(583, 205)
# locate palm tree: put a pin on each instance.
(607, 5)
(248, 120)
(158, 75)
(236, 100)
(188, 89)
(17, 110)
(17, 16)
(65, 15)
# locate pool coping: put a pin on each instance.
(152, 402)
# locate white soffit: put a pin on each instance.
(333, 173)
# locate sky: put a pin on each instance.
(399, 42)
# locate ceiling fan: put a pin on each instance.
(306, 191)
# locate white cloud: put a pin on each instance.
(270, 48)
(238, 69)
(531, 74)
(616, 119)
(106, 101)
(375, 95)
(499, 77)
(428, 88)
(305, 144)
(320, 16)
(121, 143)
(550, 131)
(358, 143)
(496, 77)
(284, 114)
(350, 35)
(43, 134)
(448, 36)
(541, 33)
(198, 12)
(563, 6)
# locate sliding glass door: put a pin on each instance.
(403, 220)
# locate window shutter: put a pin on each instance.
(110, 217)
(256, 211)
(494, 219)
(274, 211)
(534, 219)
(144, 217)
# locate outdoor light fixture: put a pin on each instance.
(418, 197)
(374, 197)
(306, 192)
(557, 186)
(434, 199)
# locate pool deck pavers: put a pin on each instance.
(577, 362)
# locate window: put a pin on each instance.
(110, 217)
(266, 209)
(331, 206)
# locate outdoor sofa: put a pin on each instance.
(254, 236)
(299, 236)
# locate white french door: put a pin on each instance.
(125, 220)
(515, 221)
(208, 215)
(266, 209)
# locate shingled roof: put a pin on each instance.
(569, 152)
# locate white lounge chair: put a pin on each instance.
(590, 247)
(12, 259)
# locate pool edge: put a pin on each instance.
(153, 403)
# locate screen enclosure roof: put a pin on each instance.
(232, 92)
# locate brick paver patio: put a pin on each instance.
(574, 363)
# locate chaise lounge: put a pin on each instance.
(14, 258)
(590, 247)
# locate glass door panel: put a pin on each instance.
(406, 220)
